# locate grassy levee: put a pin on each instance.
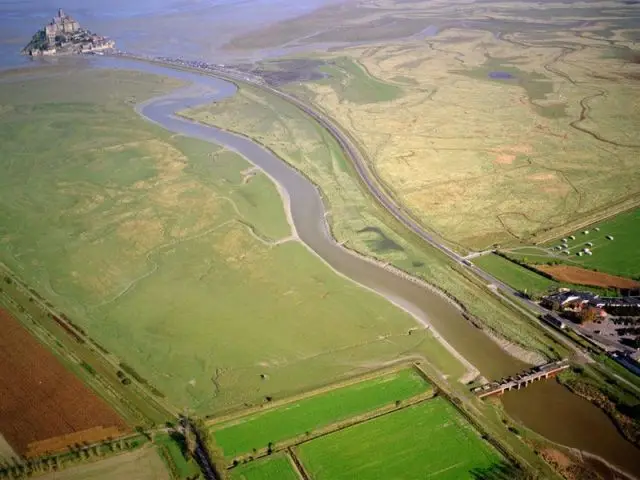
(304, 417)
(80, 355)
(620, 370)
(354, 217)
(274, 467)
(428, 437)
(485, 419)
(165, 252)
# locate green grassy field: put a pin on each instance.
(274, 467)
(158, 247)
(620, 256)
(429, 438)
(133, 407)
(308, 414)
(525, 280)
(172, 452)
(354, 217)
(441, 147)
(514, 275)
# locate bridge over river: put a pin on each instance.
(522, 379)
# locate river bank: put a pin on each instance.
(308, 213)
(472, 372)
(309, 216)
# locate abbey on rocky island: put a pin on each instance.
(64, 35)
(61, 25)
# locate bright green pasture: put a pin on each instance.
(166, 253)
(514, 275)
(428, 440)
(525, 280)
(308, 414)
(620, 256)
(274, 467)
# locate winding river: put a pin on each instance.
(545, 407)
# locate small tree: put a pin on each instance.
(588, 315)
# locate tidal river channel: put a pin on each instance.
(545, 407)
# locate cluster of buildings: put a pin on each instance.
(60, 26)
(63, 34)
(574, 301)
(622, 343)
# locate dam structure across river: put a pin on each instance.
(522, 380)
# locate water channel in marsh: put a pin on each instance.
(546, 407)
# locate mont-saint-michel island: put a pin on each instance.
(64, 35)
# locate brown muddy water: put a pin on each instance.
(557, 414)
(546, 407)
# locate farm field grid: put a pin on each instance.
(534, 282)
(430, 436)
(305, 416)
(420, 434)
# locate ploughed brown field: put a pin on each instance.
(43, 406)
(567, 273)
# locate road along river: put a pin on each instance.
(546, 407)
